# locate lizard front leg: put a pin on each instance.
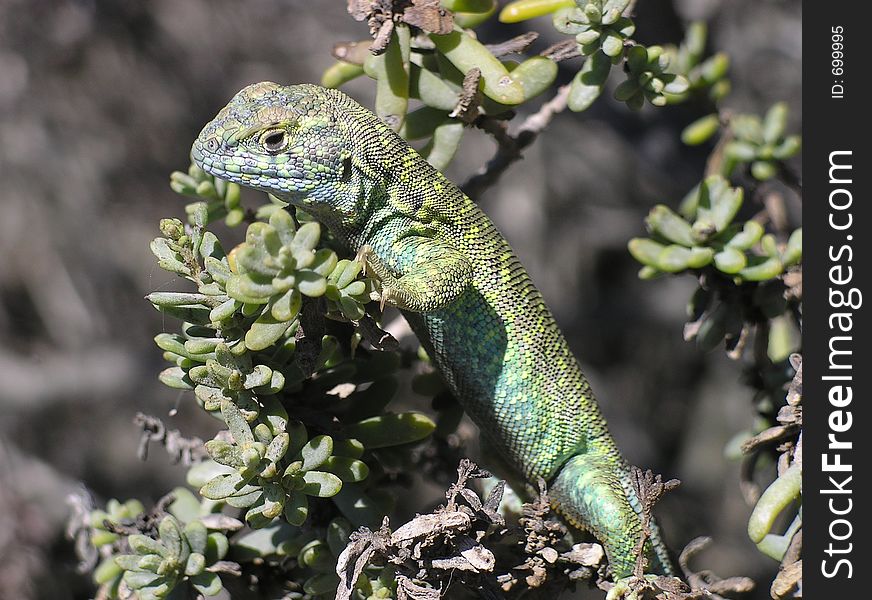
(433, 273)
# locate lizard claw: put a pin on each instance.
(362, 258)
(386, 297)
(373, 268)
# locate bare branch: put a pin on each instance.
(509, 147)
(513, 46)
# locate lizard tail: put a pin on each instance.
(590, 492)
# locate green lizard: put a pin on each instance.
(457, 281)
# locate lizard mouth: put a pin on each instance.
(207, 161)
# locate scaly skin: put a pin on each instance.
(456, 280)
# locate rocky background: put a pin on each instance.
(100, 100)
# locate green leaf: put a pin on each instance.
(225, 453)
(535, 75)
(311, 284)
(150, 562)
(239, 427)
(751, 233)
(186, 506)
(763, 170)
(142, 544)
(730, 260)
(391, 429)
(612, 44)
(778, 496)
(178, 299)
(208, 584)
(587, 85)
(769, 245)
(570, 21)
(442, 146)
(196, 535)
(700, 257)
(793, 253)
(466, 53)
(775, 122)
(321, 584)
(167, 258)
(665, 222)
(438, 96)
(390, 69)
(274, 500)
(343, 273)
(307, 236)
(224, 310)
(296, 508)
(522, 10)
(107, 571)
(137, 581)
(645, 250)
(265, 542)
(714, 68)
(348, 448)
(647, 273)
(787, 148)
(747, 128)
(246, 291)
(317, 555)
(277, 448)
(347, 469)
(626, 90)
(131, 562)
(299, 437)
(725, 207)
(637, 101)
(677, 86)
(361, 508)
(244, 498)
(713, 328)
(275, 414)
(484, 9)
(200, 473)
(171, 537)
(259, 376)
(316, 451)
(195, 564)
(761, 271)
(673, 258)
(740, 151)
(340, 73)
(321, 484)
(175, 378)
(701, 130)
(217, 546)
(287, 307)
(223, 486)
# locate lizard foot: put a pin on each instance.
(373, 267)
(647, 586)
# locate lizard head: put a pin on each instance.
(284, 140)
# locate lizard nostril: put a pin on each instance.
(212, 144)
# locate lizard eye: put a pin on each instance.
(274, 141)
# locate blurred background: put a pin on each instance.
(100, 101)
